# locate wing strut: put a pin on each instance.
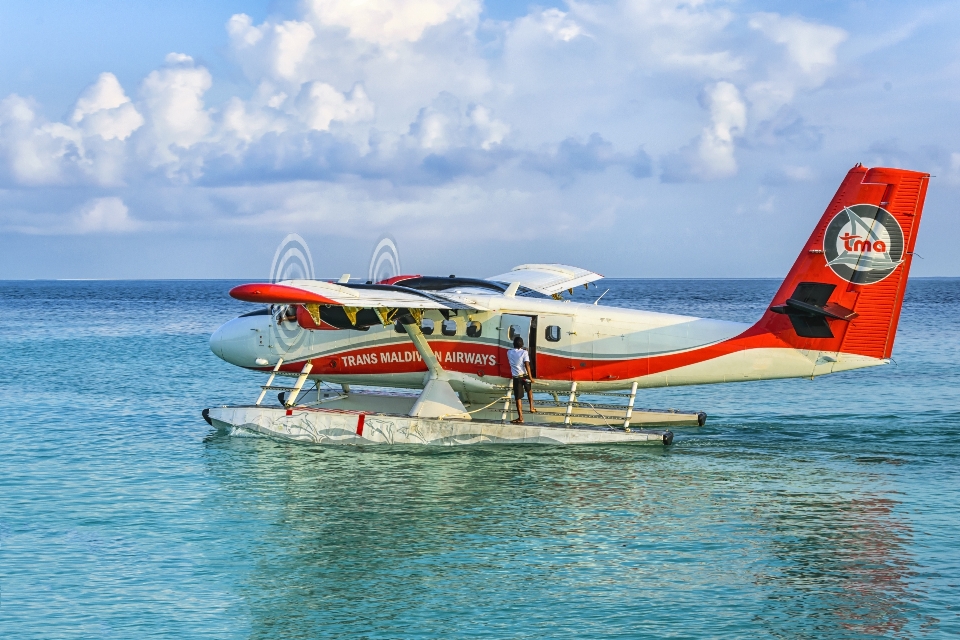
(438, 399)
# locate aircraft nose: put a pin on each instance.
(236, 341)
(215, 341)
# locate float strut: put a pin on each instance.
(570, 401)
(633, 396)
(506, 403)
(296, 388)
(269, 381)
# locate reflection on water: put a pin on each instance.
(484, 540)
(795, 513)
(845, 565)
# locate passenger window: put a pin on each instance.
(474, 329)
(448, 327)
(514, 332)
(398, 327)
(552, 333)
(426, 325)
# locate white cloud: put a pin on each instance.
(549, 76)
(35, 151)
(811, 56)
(728, 119)
(242, 32)
(388, 22)
(104, 215)
(424, 111)
(811, 46)
(445, 126)
(106, 93)
(104, 109)
(293, 40)
(173, 101)
(798, 174)
(248, 123)
(89, 149)
(321, 104)
(711, 155)
(559, 25)
(491, 131)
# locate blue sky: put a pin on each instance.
(642, 138)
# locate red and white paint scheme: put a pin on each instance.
(836, 310)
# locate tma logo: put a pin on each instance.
(863, 244)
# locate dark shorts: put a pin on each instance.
(520, 385)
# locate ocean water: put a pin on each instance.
(804, 509)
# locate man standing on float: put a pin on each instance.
(519, 361)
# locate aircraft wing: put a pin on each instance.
(547, 278)
(318, 292)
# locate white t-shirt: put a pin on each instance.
(516, 358)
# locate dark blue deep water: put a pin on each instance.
(804, 509)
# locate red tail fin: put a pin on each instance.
(845, 290)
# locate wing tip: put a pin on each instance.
(266, 293)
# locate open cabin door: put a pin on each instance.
(515, 325)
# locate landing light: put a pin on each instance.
(262, 362)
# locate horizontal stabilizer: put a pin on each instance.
(808, 310)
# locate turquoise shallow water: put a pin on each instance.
(804, 509)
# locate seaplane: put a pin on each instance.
(433, 349)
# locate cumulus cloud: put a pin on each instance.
(173, 98)
(397, 96)
(286, 44)
(559, 25)
(104, 215)
(356, 71)
(89, 149)
(444, 125)
(711, 155)
(810, 46)
(104, 109)
(811, 55)
(572, 157)
(321, 104)
(96, 216)
(35, 152)
(246, 122)
(388, 22)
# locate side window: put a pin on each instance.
(398, 327)
(552, 334)
(474, 329)
(426, 325)
(448, 327)
(514, 331)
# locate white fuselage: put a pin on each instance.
(599, 347)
